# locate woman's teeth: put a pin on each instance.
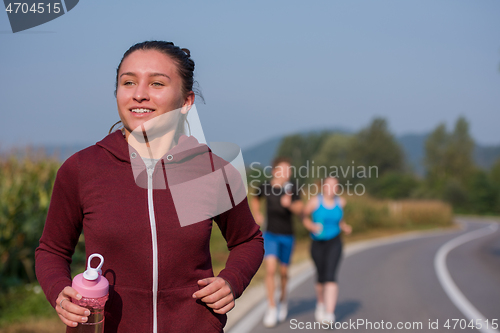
(141, 110)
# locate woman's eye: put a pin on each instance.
(158, 84)
(128, 83)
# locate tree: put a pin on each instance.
(460, 149)
(494, 176)
(448, 160)
(394, 185)
(376, 146)
(449, 155)
(495, 173)
(334, 152)
(435, 156)
(301, 148)
(482, 194)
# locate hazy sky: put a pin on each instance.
(265, 68)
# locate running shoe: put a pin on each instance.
(329, 317)
(271, 317)
(282, 312)
(319, 312)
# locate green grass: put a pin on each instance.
(23, 302)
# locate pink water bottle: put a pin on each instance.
(94, 290)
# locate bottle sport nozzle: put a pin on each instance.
(93, 273)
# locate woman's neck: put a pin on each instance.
(329, 200)
(156, 148)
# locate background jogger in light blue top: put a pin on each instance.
(323, 218)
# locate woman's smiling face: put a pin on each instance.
(148, 86)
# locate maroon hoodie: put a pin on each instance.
(152, 264)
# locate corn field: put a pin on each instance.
(25, 190)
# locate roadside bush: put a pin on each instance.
(365, 213)
(25, 190)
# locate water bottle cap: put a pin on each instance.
(91, 283)
(93, 273)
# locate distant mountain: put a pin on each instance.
(413, 146)
(485, 156)
(262, 153)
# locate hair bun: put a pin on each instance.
(187, 52)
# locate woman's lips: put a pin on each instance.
(141, 112)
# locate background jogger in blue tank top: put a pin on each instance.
(323, 217)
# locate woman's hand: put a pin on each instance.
(257, 215)
(346, 228)
(313, 227)
(286, 200)
(216, 293)
(316, 228)
(259, 218)
(70, 314)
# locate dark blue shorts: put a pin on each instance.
(278, 245)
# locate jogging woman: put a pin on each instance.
(145, 197)
(323, 218)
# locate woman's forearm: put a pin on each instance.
(62, 230)
(245, 243)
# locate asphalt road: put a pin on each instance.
(399, 284)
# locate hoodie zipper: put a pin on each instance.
(154, 239)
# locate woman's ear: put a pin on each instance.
(188, 102)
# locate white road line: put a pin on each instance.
(451, 289)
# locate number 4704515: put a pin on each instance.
(36, 8)
(473, 323)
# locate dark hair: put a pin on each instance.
(182, 58)
(280, 159)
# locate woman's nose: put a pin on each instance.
(141, 93)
